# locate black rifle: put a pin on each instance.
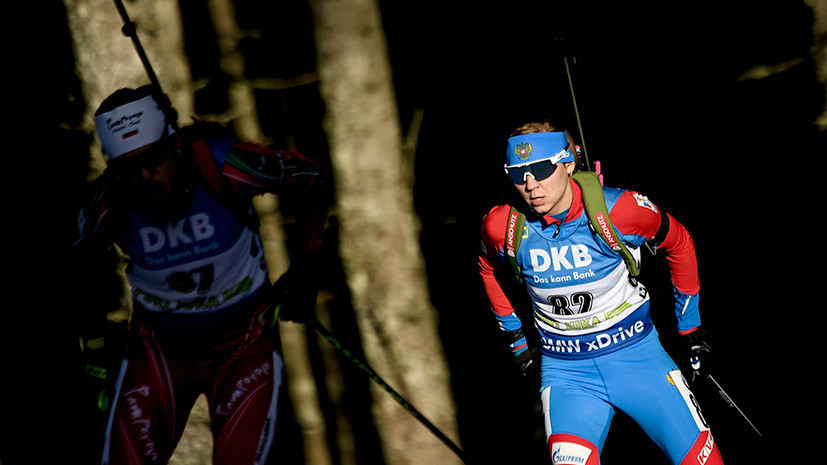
(130, 30)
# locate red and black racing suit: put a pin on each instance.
(202, 319)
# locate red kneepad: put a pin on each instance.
(568, 449)
(703, 452)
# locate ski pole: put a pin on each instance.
(731, 402)
(695, 362)
(362, 365)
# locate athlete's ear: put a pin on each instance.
(570, 165)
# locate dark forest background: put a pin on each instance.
(666, 108)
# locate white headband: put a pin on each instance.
(131, 126)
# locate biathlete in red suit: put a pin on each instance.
(178, 203)
(599, 349)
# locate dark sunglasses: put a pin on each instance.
(149, 158)
(538, 170)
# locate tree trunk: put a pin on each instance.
(243, 114)
(241, 96)
(819, 52)
(379, 231)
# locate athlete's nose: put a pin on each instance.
(146, 173)
(530, 182)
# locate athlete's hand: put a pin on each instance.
(525, 362)
(698, 352)
(102, 344)
(296, 295)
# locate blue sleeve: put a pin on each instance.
(510, 323)
(686, 310)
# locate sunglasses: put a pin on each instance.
(538, 170)
(149, 159)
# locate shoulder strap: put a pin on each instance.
(207, 166)
(595, 204)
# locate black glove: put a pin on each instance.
(294, 296)
(525, 359)
(525, 362)
(698, 352)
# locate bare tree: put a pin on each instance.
(819, 51)
(379, 244)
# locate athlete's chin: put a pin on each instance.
(537, 205)
(153, 193)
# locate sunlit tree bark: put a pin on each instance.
(819, 51)
(379, 229)
(244, 117)
(241, 97)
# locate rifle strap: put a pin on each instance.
(216, 184)
(207, 166)
(514, 233)
(595, 204)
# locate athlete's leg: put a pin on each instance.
(704, 450)
(244, 405)
(645, 383)
(576, 414)
(142, 425)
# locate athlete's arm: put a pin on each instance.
(639, 221)
(491, 257)
(298, 181)
(301, 186)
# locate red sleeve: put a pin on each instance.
(299, 182)
(636, 216)
(680, 253)
(491, 257)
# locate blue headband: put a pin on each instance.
(528, 148)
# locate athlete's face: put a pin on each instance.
(551, 195)
(150, 170)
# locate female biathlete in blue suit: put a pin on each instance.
(599, 348)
